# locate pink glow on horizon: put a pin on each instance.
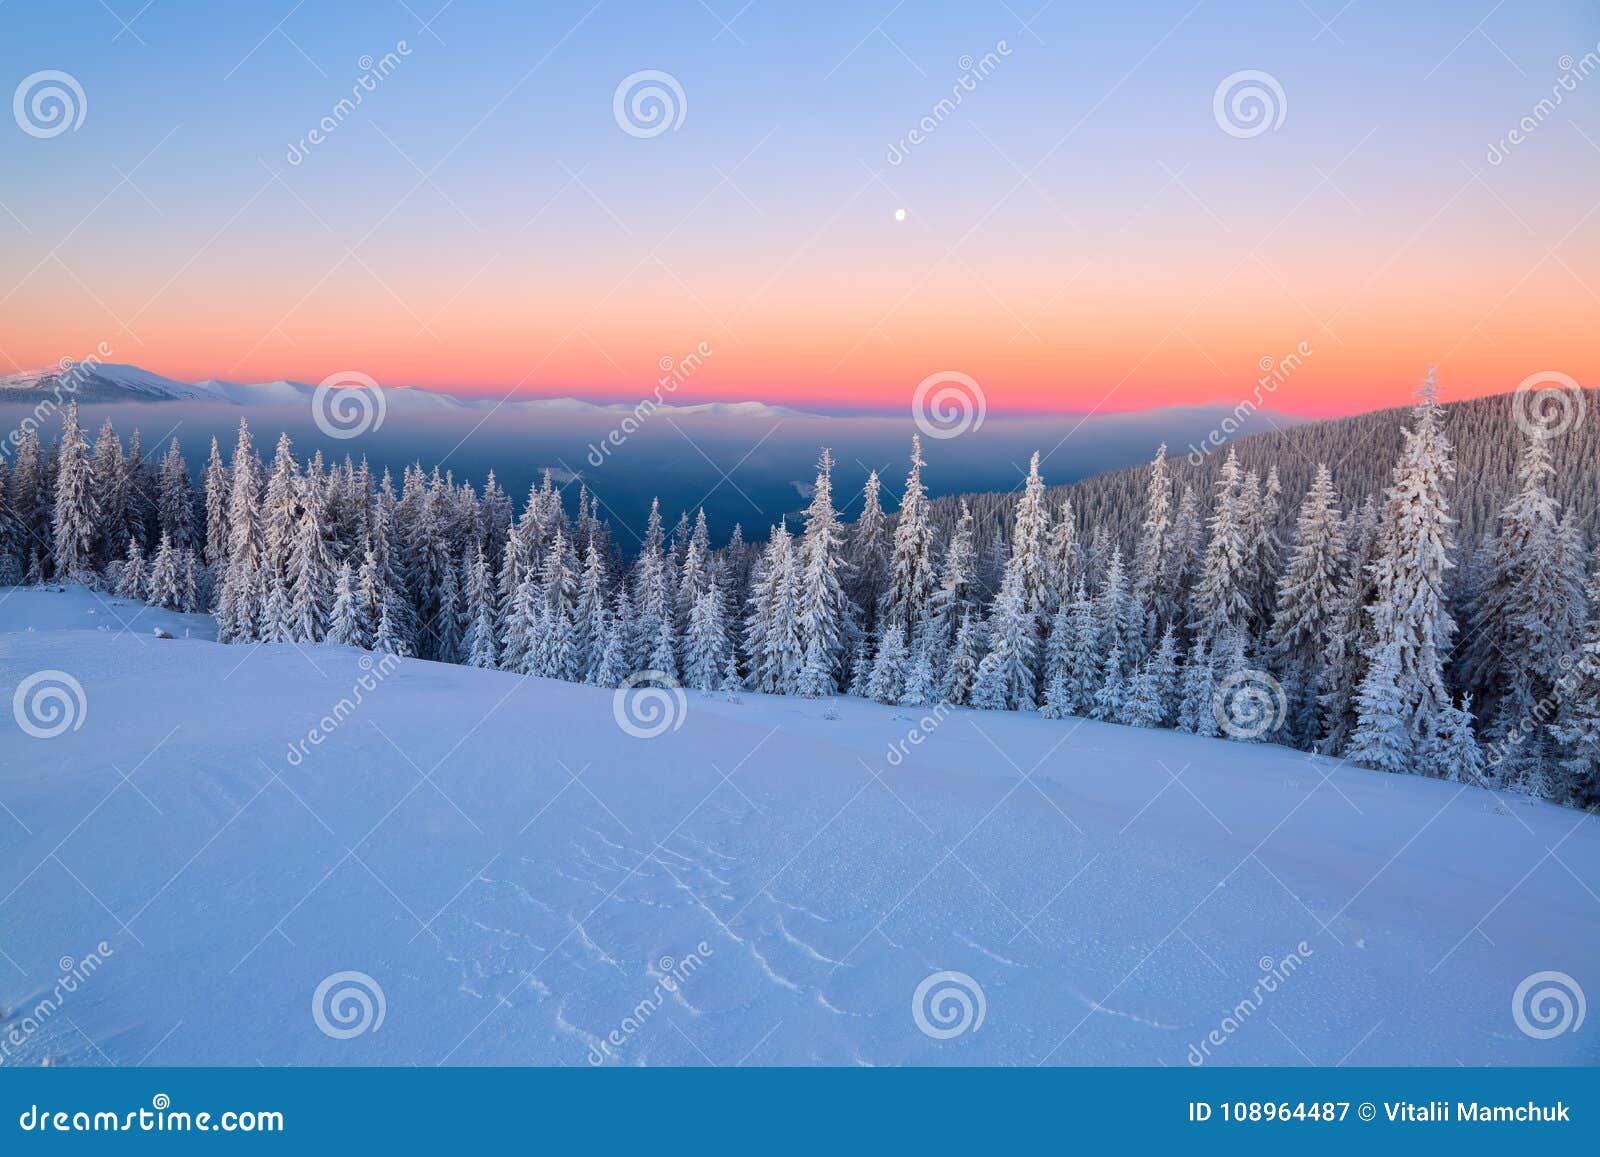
(1136, 338)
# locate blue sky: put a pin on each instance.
(1071, 233)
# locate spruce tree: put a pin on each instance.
(1121, 621)
(1220, 601)
(730, 677)
(1080, 663)
(175, 499)
(664, 654)
(1151, 690)
(909, 591)
(1057, 701)
(772, 637)
(1005, 680)
(706, 647)
(309, 568)
(131, 577)
(1306, 620)
(1029, 538)
(217, 488)
(1183, 559)
(956, 593)
(1412, 625)
(1527, 616)
(344, 628)
(448, 628)
(1066, 563)
(869, 550)
(12, 536)
(239, 606)
(479, 644)
(1196, 710)
(1155, 541)
(74, 523)
(518, 634)
(108, 486)
(823, 611)
(1383, 739)
(1111, 700)
(189, 578)
(592, 616)
(554, 652)
(1577, 724)
(966, 653)
(612, 666)
(1458, 757)
(277, 615)
(166, 585)
(1353, 634)
(888, 679)
(921, 687)
(815, 679)
(32, 499)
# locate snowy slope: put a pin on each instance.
(517, 873)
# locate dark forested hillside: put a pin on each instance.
(1360, 451)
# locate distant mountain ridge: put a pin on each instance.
(109, 383)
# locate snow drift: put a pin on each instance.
(285, 856)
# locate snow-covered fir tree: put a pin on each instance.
(450, 627)
(1066, 556)
(243, 583)
(1111, 700)
(909, 588)
(344, 623)
(166, 587)
(1030, 533)
(611, 665)
(130, 582)
(1006, 680)
(1152, 689)
(479, 645)
(772, 632)
(1306, 619)
(108, 488)
(309, 568)
(1456, 747)
(966, 653)
(1220, 601)
(921, 682)
(869, 551)
(1526, 617)
(1121, 620)
(217, 489)
(956, 593)
(175, 499)
(1412, 626)
(1577, 723)
(1383, 738)
(823, 614)
(706, 647)
(553, 650)
(1082, 613)
(1155, 602)
(75, 523)
(888, 679)
(1198, 690)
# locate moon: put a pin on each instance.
(899, 214)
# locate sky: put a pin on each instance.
(1093, 227)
